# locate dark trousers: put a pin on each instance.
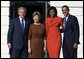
(19, 53)
(69, 52)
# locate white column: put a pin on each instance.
(4, 28)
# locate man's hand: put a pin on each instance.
(9, 45)
(75, 45)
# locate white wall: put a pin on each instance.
(76, 8)
(4, 28)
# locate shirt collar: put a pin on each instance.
(20, 18)
(66, 16)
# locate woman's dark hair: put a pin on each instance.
(66, 7)
(52, 8)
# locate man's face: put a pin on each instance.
(21, 13)
(65, 11)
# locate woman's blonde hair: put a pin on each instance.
(36, 13)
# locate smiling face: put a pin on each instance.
(21, 13)
(52, 13)
(65, 11)
(36, 18)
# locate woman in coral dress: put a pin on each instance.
(53, 23)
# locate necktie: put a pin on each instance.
(64, 22)
(23, 25)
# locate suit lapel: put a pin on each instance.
(25, 25)
(68, 22)
(19, 24)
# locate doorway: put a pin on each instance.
(31, 7)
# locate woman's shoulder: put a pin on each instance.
(47, 18)
(31, 25)
(42, 25)
(34, 24)
(59, 17)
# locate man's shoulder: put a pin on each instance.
(27, 19)
(14, 20)
(73, 16)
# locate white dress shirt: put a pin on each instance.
(21, 21)
(66, 17)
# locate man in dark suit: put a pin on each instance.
(17, 38)
(71, 34)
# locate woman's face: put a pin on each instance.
(52, 13)
(36, 18)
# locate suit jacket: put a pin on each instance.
(16, 36)
(71, 32)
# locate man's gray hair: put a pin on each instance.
(22, 8)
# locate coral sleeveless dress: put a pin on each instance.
(53, 36)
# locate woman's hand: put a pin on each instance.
(29, 47)
(44, 49)
(29, 50)
(44, 45)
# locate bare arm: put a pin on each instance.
(29, 47)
